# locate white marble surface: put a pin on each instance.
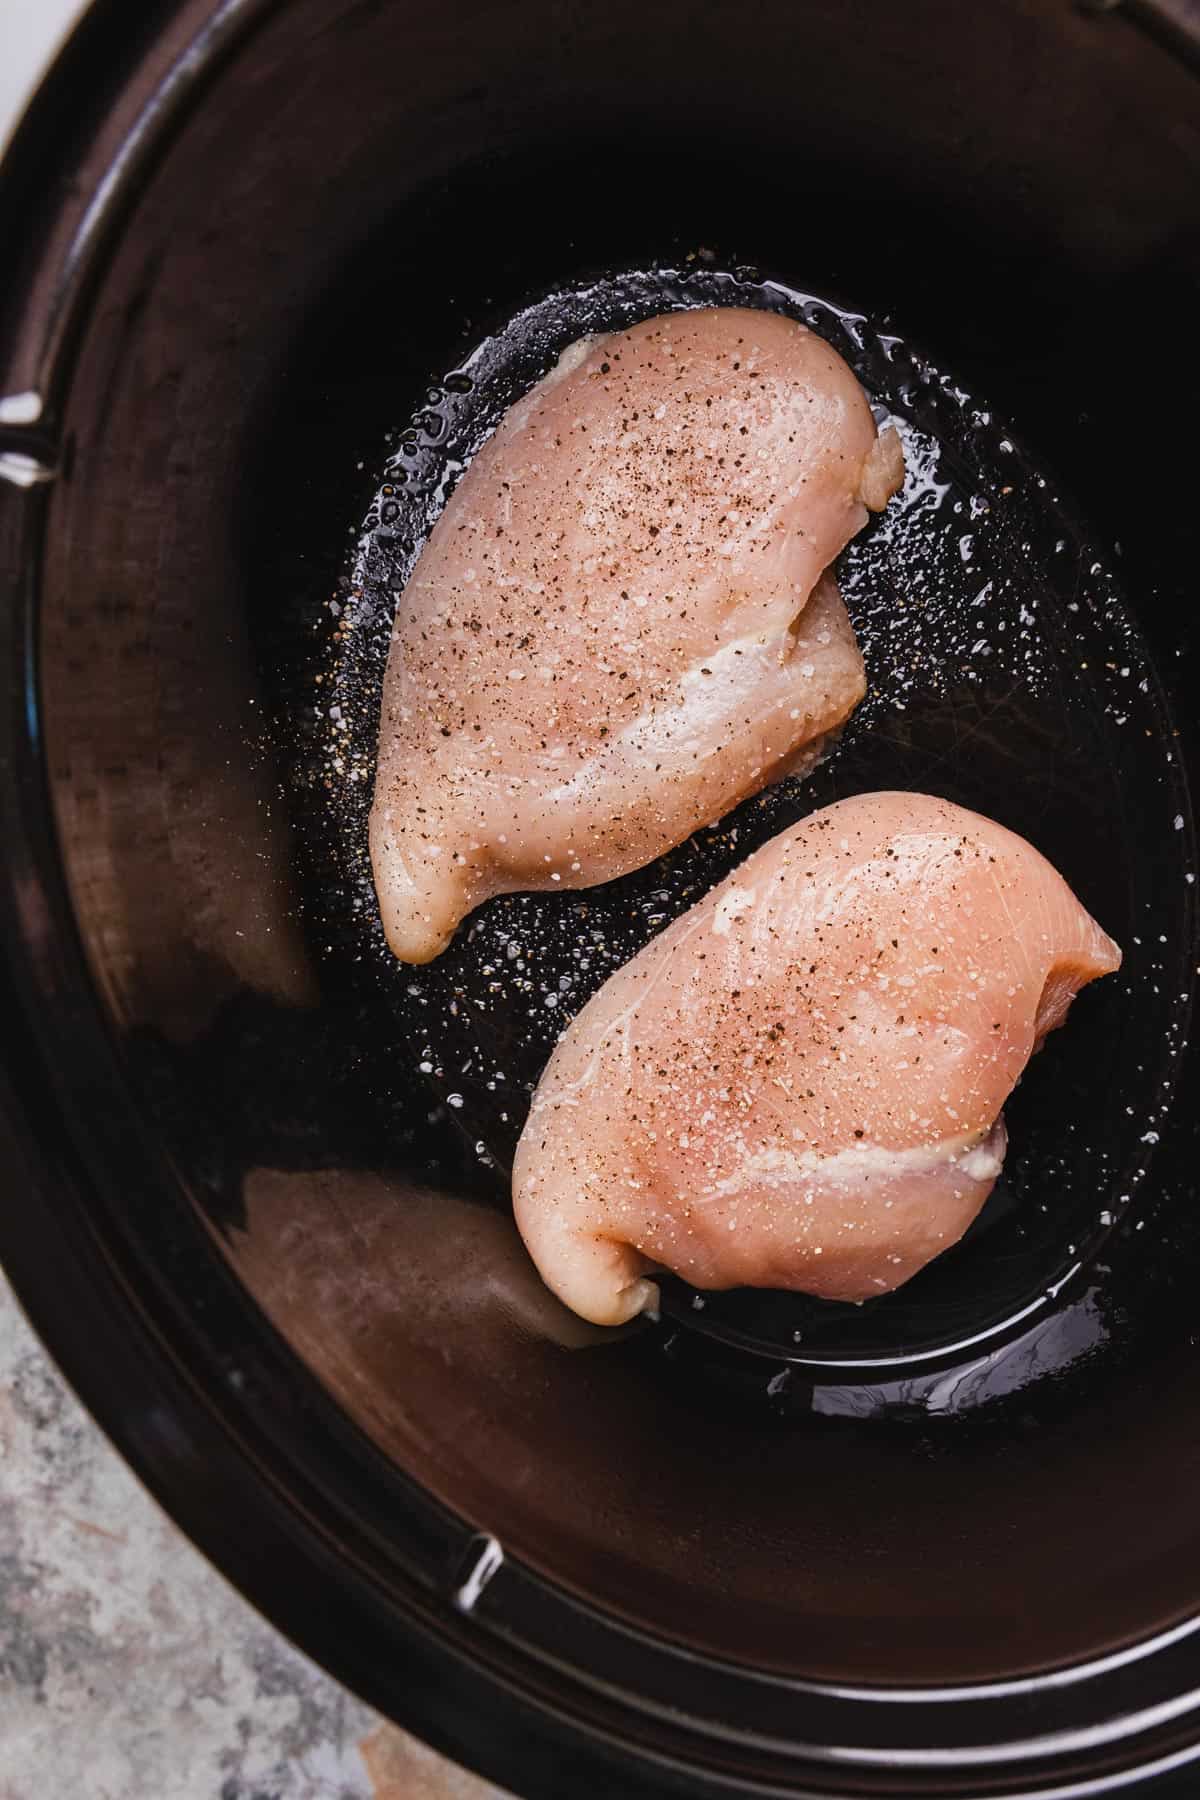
(30, 33)
(129, 1670)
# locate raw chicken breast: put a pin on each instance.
(799, 1084)
(618, 628)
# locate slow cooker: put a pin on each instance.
(244, 243)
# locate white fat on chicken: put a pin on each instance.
(622, 623)
(800, 1083)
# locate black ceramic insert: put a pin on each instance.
(946, 1544)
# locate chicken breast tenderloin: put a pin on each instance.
(800, 1083)
(618, 627)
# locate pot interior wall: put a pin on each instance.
(365, 188)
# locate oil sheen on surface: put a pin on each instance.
(1005, 673)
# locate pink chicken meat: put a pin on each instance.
(800, 1083)
(619, 626)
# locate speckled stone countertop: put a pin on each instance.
(129, 1670)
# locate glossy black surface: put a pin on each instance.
(1006, 671)
(709, 1585)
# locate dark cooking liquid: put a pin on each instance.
(1005, 674)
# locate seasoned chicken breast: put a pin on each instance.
(800, 1083)
(618, 627)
